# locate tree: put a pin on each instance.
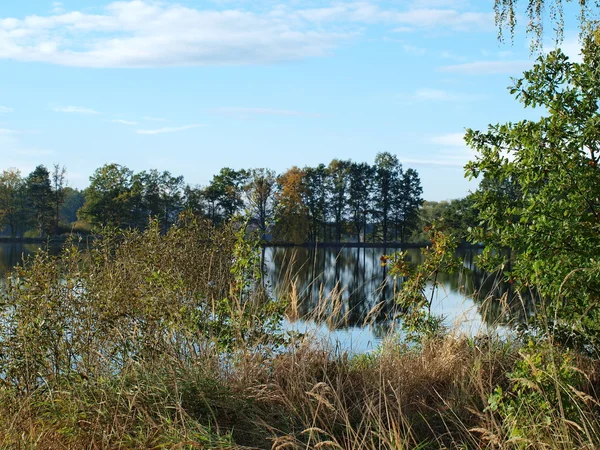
(58, 178)
(194, 200)
(73, 201)
(388, 173)
(110, 199)
(260, 194)
(406, 206)
(548, 212)
(507, 14)
(315, 192)
(13, 206)
(292, 213)
(360, 182)
(40, 196)
(224, 194)
(338, 172)
(160, 197)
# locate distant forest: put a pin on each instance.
(338, 202)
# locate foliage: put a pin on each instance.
(420, 283)
(110, 197)
(456, 217)
(292, 224)
(14, 210)
(40, 196)
(541, 191)
(260, 194)
(224, 194)
(543, 398)
(507, 15)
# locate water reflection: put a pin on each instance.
(12, 254)
(349, 297)
(348, 287)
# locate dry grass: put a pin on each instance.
(154, 341)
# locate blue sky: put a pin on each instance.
(194, 86)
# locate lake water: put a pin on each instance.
(346, 297)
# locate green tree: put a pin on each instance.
(260, 191)
(407, 202)
(59, 181)
(40, 196)
(548, 210)
(14, 211)
(224, 194)
(315, 192)
(338, 172)
(360, 184)
(110, 199)
(194, 200)
(161, 196)
(388, 175)
(73, 200)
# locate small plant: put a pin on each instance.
(542, 399)
(420, 282)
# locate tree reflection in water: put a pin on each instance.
(348, 287)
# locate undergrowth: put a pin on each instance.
(151, 340)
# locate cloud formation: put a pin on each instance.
(488, 67)
(76, 110)
(264, 111)
(124, 122)
(5, 109)
(450, 140)
(140, 33)
(170, 129)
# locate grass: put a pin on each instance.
(163, 341)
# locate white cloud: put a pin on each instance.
(57, 8)
(436, 94)
(450, 140)
(124, 122)
(76, 110)
(170, 129)
(441, 95)
(264, 111)
(155, 119)
(452, 150)
(434, 162)
(571, 47)
(8, 131)
(414, 50)
(513, 67)
(5, 109)
(140, 33)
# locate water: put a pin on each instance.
(346, 297)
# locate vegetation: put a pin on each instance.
(152, 340)
(538, 12)
(161, 334)
(541, 195)
(342, 201)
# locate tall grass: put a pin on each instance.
(150, 340)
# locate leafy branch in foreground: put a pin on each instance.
(540, 195)
(420, 283)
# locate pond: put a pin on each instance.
(345, 295)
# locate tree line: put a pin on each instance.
(341, 201)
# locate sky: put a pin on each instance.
(195, 86)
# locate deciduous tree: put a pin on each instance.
(551, 221)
